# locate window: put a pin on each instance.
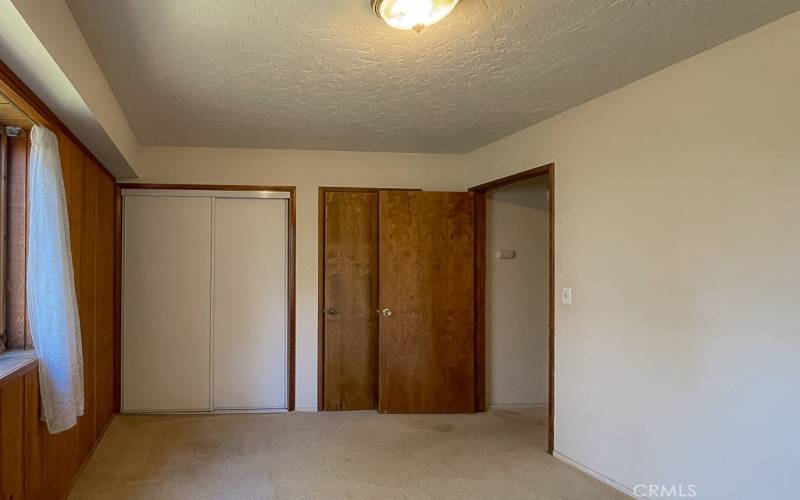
(14, 147)
(3, 160)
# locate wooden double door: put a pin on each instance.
(397, 321)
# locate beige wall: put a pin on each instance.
(517, 294)
(307, 170)
(677, 205)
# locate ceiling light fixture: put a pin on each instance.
(412, 14)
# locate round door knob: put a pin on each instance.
(386, 312)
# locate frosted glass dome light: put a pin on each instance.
(412, 14)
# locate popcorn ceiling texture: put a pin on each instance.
(329, 75)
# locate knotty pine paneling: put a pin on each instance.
(45, 464)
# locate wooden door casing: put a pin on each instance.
(350, 298)
(426, 278)
(480, 192)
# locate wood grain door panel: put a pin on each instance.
(427, 345)
(350, 300)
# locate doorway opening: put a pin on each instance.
(515, 292)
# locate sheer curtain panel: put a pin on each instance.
(52, 304)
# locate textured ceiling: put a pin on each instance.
(328, 74)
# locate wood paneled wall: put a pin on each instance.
(21, 474)
(43, 466)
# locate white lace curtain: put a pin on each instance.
(52, 304)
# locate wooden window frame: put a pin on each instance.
(3, 200)
(14, 231)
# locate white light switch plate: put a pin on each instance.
(566, 296)
(506, 254)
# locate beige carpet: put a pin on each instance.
(352, 455)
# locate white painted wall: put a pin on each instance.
(307, 170)
(517, 295)
(677, 205)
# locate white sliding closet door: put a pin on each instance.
(250, 303)
(166, 303)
